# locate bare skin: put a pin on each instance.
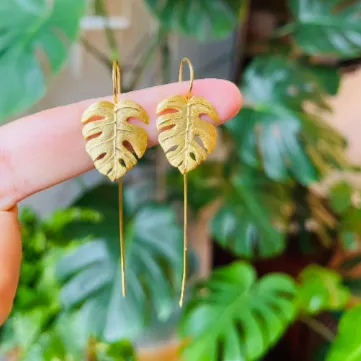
(47, 148)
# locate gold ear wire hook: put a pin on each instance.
(185, 190)
(116, 92)
(191, 74)
(116, 81)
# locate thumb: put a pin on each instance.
(10, 259)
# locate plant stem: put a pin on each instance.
(318, 328)
(146, 58)
(109, 33)
(97, 53)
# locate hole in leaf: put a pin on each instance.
(242, 335)
(122, 163)
(101, 156)
(220, 349)
(93, 119)
(127, 145)
(168, 127)
(193, 156)
(93, 136)
(261, 325)
(168, 111)
(173, 148)
(199, 142)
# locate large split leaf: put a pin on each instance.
(347, 345)
(91, 273)
(66, 340)
(182, 130)
(327, 27)
(252, 220)
(236, 317)
(32, 33)
(273, 127)
(108, 135)
(200, 18)
(321, 289)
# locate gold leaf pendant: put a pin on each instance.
(186, 138)
(114, 144)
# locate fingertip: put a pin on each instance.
(223, 94)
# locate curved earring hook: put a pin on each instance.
(116, 81)
(191, 74)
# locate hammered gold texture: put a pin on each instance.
(186, 139)
(114, 144)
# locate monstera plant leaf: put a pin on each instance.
(347, 345)
(199, 18)
(182, 131)
(34, 35)
(253, 218)
(109, 135)
(236, 317)
(321, 289)
(327, 27)
(91, 273)
(66, 340)
(273, 128)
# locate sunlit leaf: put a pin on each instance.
(199, 18)
(236, 317)
(327, 27)
(252, 220)
(347, 344)
(91, 273)
(321, 289)
(34, 35)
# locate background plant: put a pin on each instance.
(269, 210)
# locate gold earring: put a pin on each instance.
(186, 139)
(114, 144)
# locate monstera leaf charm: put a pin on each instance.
(114, 144)
(186, 139)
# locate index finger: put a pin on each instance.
(46, 148)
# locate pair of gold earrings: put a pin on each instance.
(115, 145)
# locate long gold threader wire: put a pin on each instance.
(185, 240)
(116, 91)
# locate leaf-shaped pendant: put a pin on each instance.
(186, 139)
(114, 144)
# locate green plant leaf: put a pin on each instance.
(118, 351)
(34, 35)
(91, 273)
(340, 196)
(273, 128)
(347, 345)
(251, 220)
(328, 78)
(66, 340)
(321, 289)
(238, 317)
(199, 18)
(327, 27)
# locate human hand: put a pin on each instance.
(41, 150)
